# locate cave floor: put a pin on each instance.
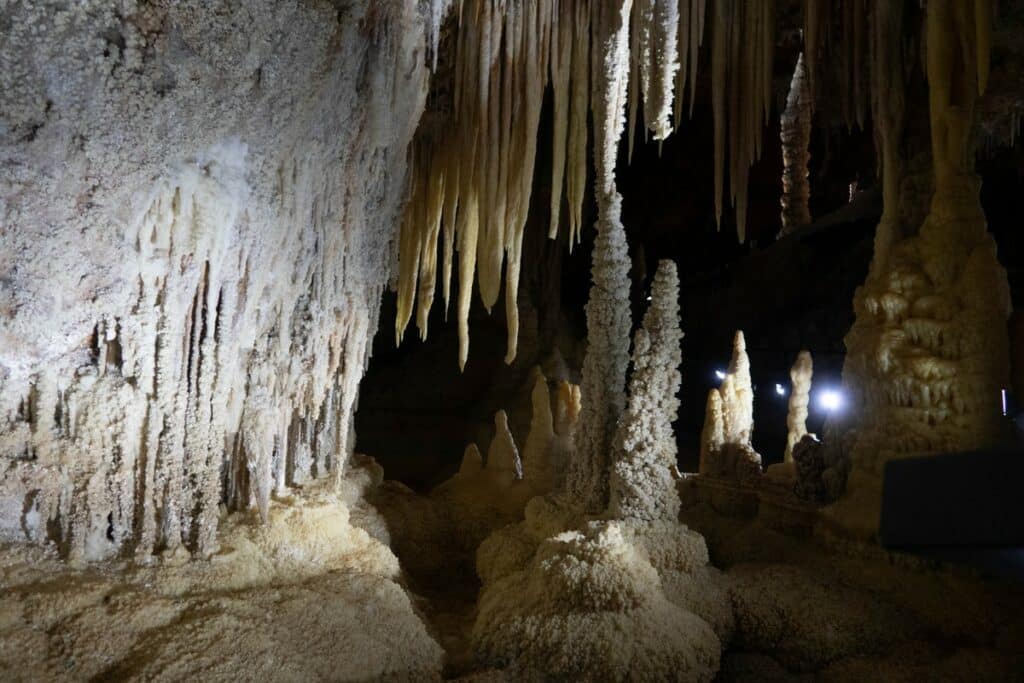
(317, 598)
(825, 608)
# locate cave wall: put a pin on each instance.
(198, 209)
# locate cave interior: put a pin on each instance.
(426, 340)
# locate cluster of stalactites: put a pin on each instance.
(472, 179)
(742, 54)
(836, 32)
(473, 172)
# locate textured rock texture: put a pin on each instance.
(313, 594)
(198, 202)
(928, 355)
(643, 470)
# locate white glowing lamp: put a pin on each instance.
(830, 400)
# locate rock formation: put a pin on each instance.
(726, 448)
(608, 317)
(928, 354)
(642, 482)
(799, 398)
(197, 228)
(796, 138)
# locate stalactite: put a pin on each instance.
(475, 177)
(887, 110)
(658, 60)
(576, 179)
(743, 37)
(796, 137)
(690, 36)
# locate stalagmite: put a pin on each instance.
(928, 354)
(712, 436)
(726, 448)
(503, 463)
(472, 461)
(799, 398)
(738, 395)
(538, 467)
(796, 138)
(642, 483)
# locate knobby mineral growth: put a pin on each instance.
(642, 482)
(928, 352)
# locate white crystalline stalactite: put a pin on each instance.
(796, 139)
(658, 60)
(642, 477)
(608, 314)
(475, 165)
(742, 52)
(928, 354)
(665, 38)
(799, 399)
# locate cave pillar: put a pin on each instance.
(928, 354)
